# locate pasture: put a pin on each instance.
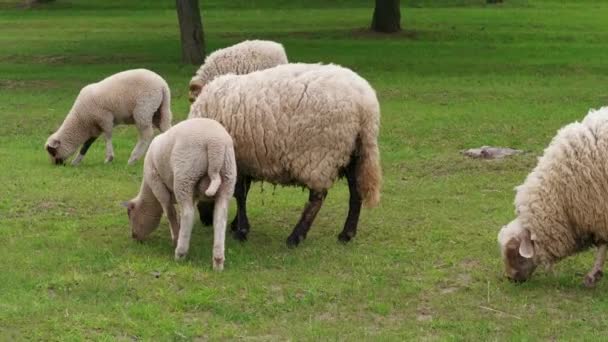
(425, 264)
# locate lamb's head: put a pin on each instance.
(143, 220)
(196, 86)
(517, 251)
(58, 149)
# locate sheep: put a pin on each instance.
(192, 160)
(561, 206)
(303, 125)
(241, 58)
(139, 97)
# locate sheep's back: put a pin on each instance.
(292, 124)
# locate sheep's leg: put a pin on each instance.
(107, 134)
(163, 195)
(146, 134)
(220, 214)
(205, 210)
(240, 225)
(596, 273)
(183, 188)
(83, 150)
(354, 204)
(315, 201)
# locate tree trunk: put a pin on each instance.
(387, 16)
(191, 31)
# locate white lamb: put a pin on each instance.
(239, 59)
(192, 160)
(561, 206)
(139, 97)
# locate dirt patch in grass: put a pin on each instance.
(28, 84)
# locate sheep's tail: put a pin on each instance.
(369, 173)
(164, 111)
(215, 162)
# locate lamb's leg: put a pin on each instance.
(83, 151)
(163, 195)
(205, 210)
(107, 134)
(220, 214)
(146, 133)
(354, 203)
(594, 276)
(240, 224)
(183, 188)
(315, 201)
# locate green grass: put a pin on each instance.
(425, 263)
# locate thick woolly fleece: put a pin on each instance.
(139, 97)
(299, 124)
(563, 201)
(239, 59)
(192, 160)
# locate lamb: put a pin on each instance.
(303, 125)
(192, 160)
(561, 206)
(139, 97)
(241, 58)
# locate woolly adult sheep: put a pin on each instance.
(561, 206)
(192, 160)
(241, 58)
(139, 97)
(300, 124)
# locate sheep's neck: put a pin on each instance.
(73, 130)
(148, 201)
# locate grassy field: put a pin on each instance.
(425, 264)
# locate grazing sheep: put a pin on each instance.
(192, 160)
(304, 125)
(241, 58)
(139, 97)
(561, 206)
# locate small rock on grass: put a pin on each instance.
(489, 152)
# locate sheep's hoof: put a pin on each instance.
(179, 255)
(240, 235)
(591, 279)
(131, 161)
(218, 264)
(294, 240)
(345, 237)
(109, 159)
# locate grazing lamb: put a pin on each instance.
(192, 160)
(139, 97)
(561, 206)
(241, 58)
(304, 125)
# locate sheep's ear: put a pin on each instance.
(53, 143)
(196, 86)
(128, 204)
(526, 247)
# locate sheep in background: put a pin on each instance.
(304, 125)
(561, 206)
(193, 160)
(241, 58)
(139, 97)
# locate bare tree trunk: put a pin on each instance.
(387, 16)
(191, 31)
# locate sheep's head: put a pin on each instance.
(143, 221)
(196, 86)
(517, 251)
(58, 150)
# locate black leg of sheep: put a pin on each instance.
(205, 211)
(354, 203)
(315, 201)
(240, 224)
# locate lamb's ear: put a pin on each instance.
(53, 143)
(526, 247)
